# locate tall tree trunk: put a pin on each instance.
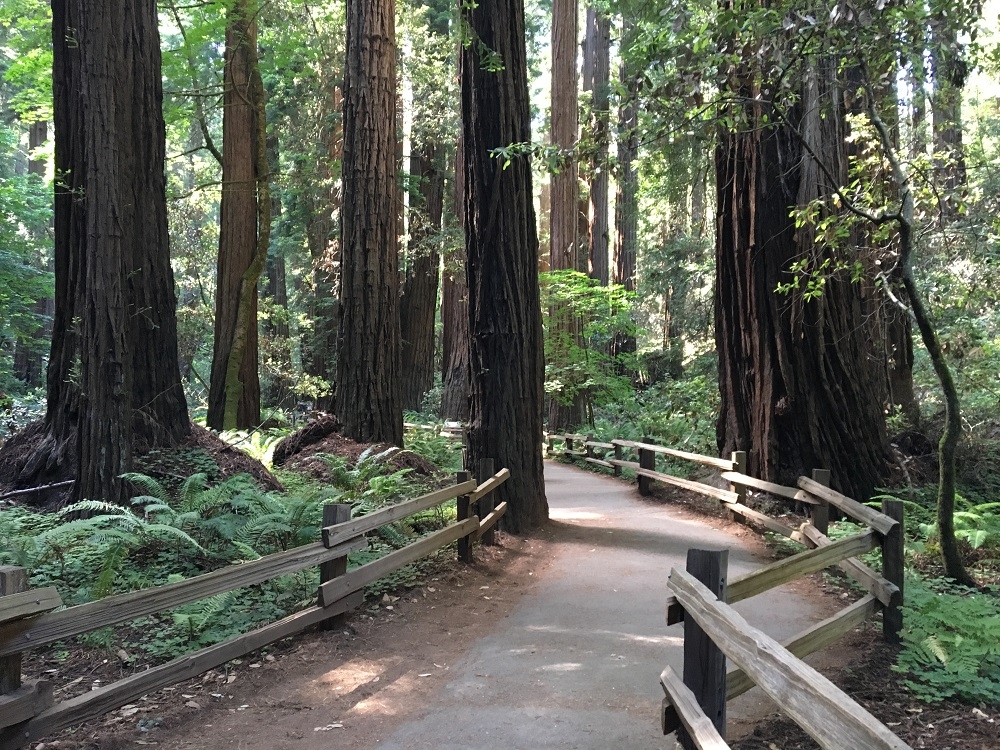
(113, 378)
(28, 360)
(322, 210)
(798, 391)
(238, 233)
(566, 406)
(455, 314)
(368, 394)
(699, 198)
(950, 71)
(418, 303)
(596, 74)
(626, 200)
(276, 286)
(505, 323)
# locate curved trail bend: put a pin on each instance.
(558, 645)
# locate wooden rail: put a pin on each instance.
(27, 713)
(363, 524)
(824, 711)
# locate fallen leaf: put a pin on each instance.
(192, 704)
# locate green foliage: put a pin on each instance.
(583, 318)
(951, 642)
(677, 413)
(444, 452)
(258, 444)
(978, 524)
(366, 483)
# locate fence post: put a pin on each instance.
(739, 459)
(333, 514)
(484, 471)
(892, 569)
(588, 447)
(704, 663)
(619, 454)
(465, 543)
(820, 514)
(647, 460)
(551, 443)
(568, 450)
(13, 580)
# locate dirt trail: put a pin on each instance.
(552, 642)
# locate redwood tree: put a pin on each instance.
(455, 314)
(596, 73)
(799, 387)
(367, 397)
(505, 323)
(626, 200)
(565, 410)
(113, 378)
(418, 303)
(235, 383)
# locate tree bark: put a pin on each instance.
(28, 350)
(418, 303)
(455, 314)
(367, 398)
(566, 406)
(113, 380)
(596, 74)
(321, 211)
(798, 388)
(626, 200)
(235, 383)
(504, 305)
(950, 71)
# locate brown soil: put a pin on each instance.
(301, 451)
(230, 459)
(869, 679)
(382, 665)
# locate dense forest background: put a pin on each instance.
(739, 210)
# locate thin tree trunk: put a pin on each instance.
(950, 72)
(596, 74)
(367, 397)
(626, 200)
(234, 396)
(505, 323)
(28, 359)
(455, 315)
(566, 406)
(418, 303)
(321, 211)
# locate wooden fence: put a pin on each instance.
(30, 618)
(695, 704)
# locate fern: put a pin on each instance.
(951, 642)
(194, 618)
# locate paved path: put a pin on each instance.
(576, 664)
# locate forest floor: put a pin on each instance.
(553, 641)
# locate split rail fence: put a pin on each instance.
(31, 618)
(695, 704)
